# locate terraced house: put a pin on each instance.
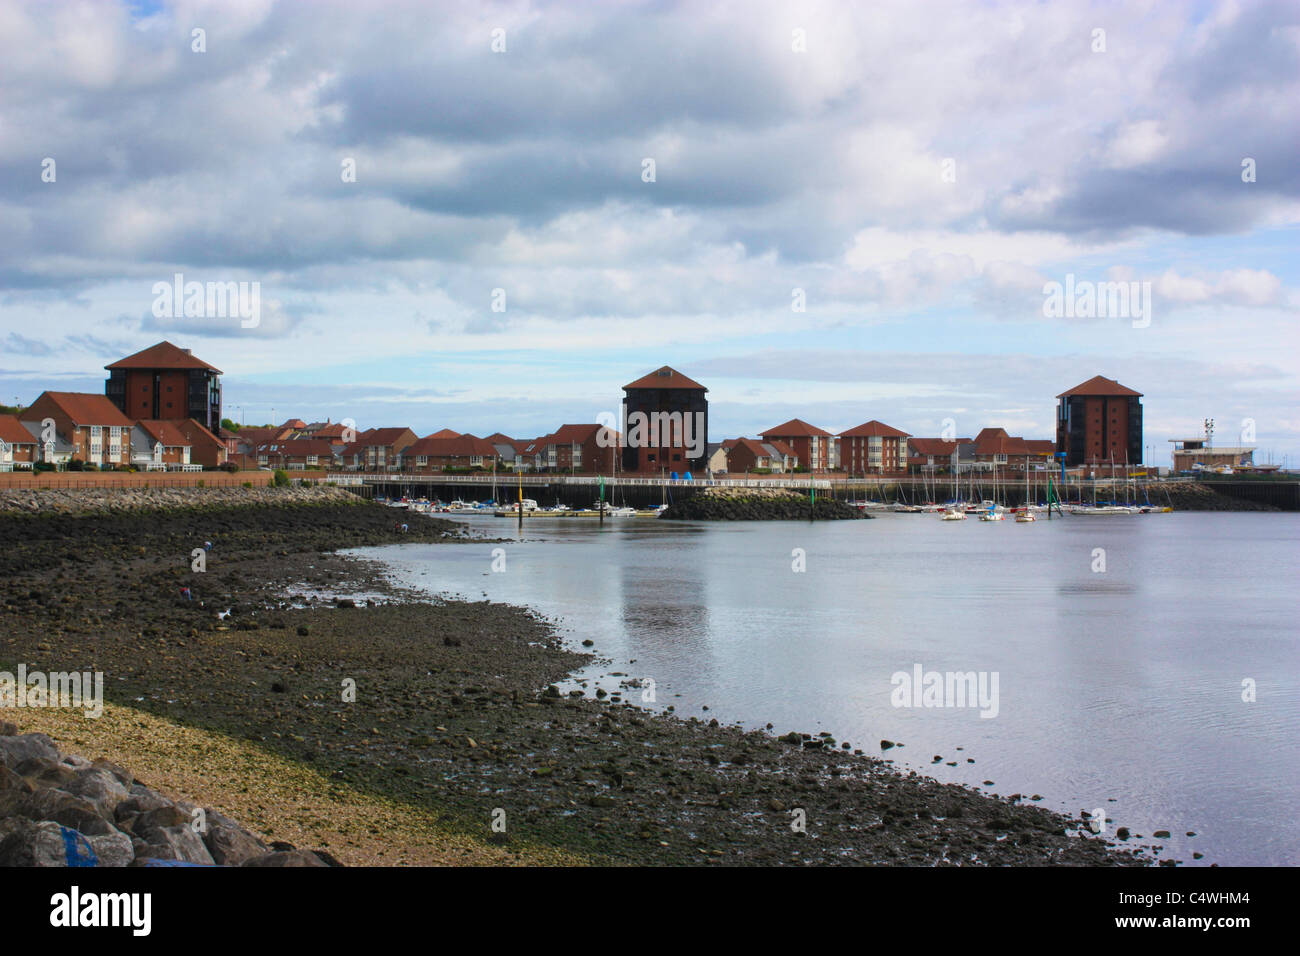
(296, 454)
(377, 449)
(436, 453)
(86, 427)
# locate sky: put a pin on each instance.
(492, 216)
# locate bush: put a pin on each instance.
(248, 484)
(230, 466)
(201, 484)
(76, 464)
(280, 478)
(42, 466)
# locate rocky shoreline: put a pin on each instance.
(454, 714)
(758, 504)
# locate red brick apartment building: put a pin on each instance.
(816, 449)
(1099, 421)
(17, 445)
(165, 383)
(873, 448)
(86, 426)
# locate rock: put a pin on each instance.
(113, 849)
(173, 843)
(58, 807)
(288, 858)
(45, 772)
(232, 845)
(123, 776)
(7, 729)
(101, 788)
(886, 744)
(1161, 834)
(168, 815)
(15, 749)
(43, 843)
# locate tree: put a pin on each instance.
(229, 426)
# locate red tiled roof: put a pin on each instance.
(335, 430)
(1041, 446)
(297, 448)
(462, 446)
(568, 434)
(1100, 385)
(796, 427)
(874, 429)
(86, 408)
(166, 432)
(13, 433)
(162, 355)
(754, 447)
(665, 377)
(934, 446)
(782, 447)
(446, 433)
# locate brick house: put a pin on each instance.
(816, 449)
(296, 454)
(17, 444)
(377, 449)
(92, 427)
(576, 449)
(934, 455)
(432, 454)
(747, 454)
(873, 448)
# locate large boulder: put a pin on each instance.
(43, 843)
(232, 845)
(179, 842)
(287, 858)
(14, 750)
(100, 788)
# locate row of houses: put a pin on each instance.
(67, 428)
(874, 448)
(571, 448)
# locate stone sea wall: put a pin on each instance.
(757, 504)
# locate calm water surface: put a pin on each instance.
(1119, 689)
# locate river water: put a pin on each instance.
(1123, 648)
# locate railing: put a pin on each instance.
(534, 481)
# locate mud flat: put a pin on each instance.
(433, 732)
